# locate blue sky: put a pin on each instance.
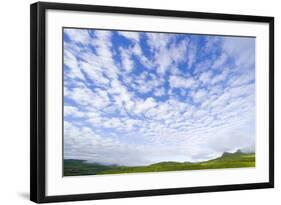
(136, 98)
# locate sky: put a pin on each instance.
(137, 98)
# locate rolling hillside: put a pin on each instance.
(238, 159)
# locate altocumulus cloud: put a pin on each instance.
(136, 98)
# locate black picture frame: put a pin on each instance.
(38, 101)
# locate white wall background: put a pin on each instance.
(14, 101)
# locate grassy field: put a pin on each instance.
(74, 167)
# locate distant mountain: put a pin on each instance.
(235, 153)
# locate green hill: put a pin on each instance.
(238, 159)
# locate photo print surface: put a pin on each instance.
(138, 102)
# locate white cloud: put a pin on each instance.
(242, 90)
(127, 63)
(166, 51)
(242, 79)
(134, 36)
(103, 43)
(72, 63)
(78, 35)
(221, 100)
(205, 77)
(192, 53)
(178, 51)
(181, 82)
(199, 95)
(147, 63)
(145, 83)
(159, 92)
(122, 98)
(142, 106)
(83, 96)
(219, 62)
(202, 66)
(104, 54)
(95, 73)
(220, 77)
(72, 111)
(212, 43)
(158, 41)
(235, 47)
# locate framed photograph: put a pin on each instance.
(129, 102)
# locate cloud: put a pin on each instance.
(95, 73)
(158, 41)
(71, 62)
(145, 83)
(219, 62)
(78, 35)
(167, 52)
(205, 77)
(159, 92)
(199, 95)
(72, 111)
(220, 77)
(181, 82)
(145, 105)
(192, 53)
(127, 63)
(137, 51)
(242, 79)
(134, 36)
(235, 46)
(102, 44)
